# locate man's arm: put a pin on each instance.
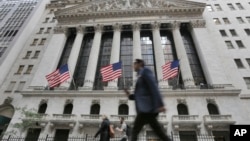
(155, 93)
(130, 96)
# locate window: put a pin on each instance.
(188, 136)
(40, 31)
(248, 19)
(46, 20)
(210, 8)
(226, 20)
(239, 6)
(123, 109)
(61, 135)
(36, 54)
(231, 7)
(68, 109)
(240, 20)
(34, 42)
(48, 30)
(33, 134)
(2, 50)
(182, 109)
(248, 61)
(233, 32)
(221, 135)
(218, 7)
(229, 44)
(27, 55)
(29, 69)
(20, 86)
(20, 69)
(42, 108)
(212, 109)
(42, 41)
(223, 33)
(11, 86)
(53, 20)
(247, 31)
(240, 44)
(216, 21)
(95, 109)
(247, 80)
(238, 63)
(51, 11)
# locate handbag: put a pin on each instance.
(111, 131)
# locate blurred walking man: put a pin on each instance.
(148, 102)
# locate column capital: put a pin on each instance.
(98, 28)
(156, 25)
(175, 24)
(136, 26)
(80, 29)
(117, 27)
(198, 23)
(60, 30)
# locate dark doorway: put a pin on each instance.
(61, 135)
(33, 134)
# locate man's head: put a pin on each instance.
(139, 63)
(121, 120)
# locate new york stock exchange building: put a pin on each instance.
(206, 97)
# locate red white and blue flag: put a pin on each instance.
(170, 69)
(111, 72)
(58, 76)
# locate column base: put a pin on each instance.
(37, 88)
(61, 88)
(85, 88)
(111, 88)
(165, 87)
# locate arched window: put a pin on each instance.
(182, 109)
(42, 108)
(68, 109)
(95, 109)
(212, 109)
(123, 109)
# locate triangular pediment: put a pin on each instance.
(116, 7)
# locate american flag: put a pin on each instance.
(58, 76)
(170, 69)
(111, 71)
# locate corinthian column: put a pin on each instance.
(159, 55)
(74, 55)
(115, 53)
(182, 55)
(93, 59)
(51, 57)
(136, 45)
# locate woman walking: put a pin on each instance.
(104, 129)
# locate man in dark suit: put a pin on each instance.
(148, 102)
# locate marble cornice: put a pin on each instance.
(165, 93)
(180, 12)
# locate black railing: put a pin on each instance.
(174, 137)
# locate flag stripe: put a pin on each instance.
(111, 72)
(169, 72)
(58, 76)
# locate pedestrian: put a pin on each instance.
(122, 129)
(104, 130)
(148, 102)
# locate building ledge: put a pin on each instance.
(218, 120)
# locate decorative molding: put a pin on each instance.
(60, 30)
(8, 100)
(98, 28)
(80, 29)
(123, 101)
(136, 26)
(211, 100)
(198, 23)
(44, 101)
(95, 101)
(175, 24)
(69, 101)
(117, 27)
(181, 101)
(156, 25)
